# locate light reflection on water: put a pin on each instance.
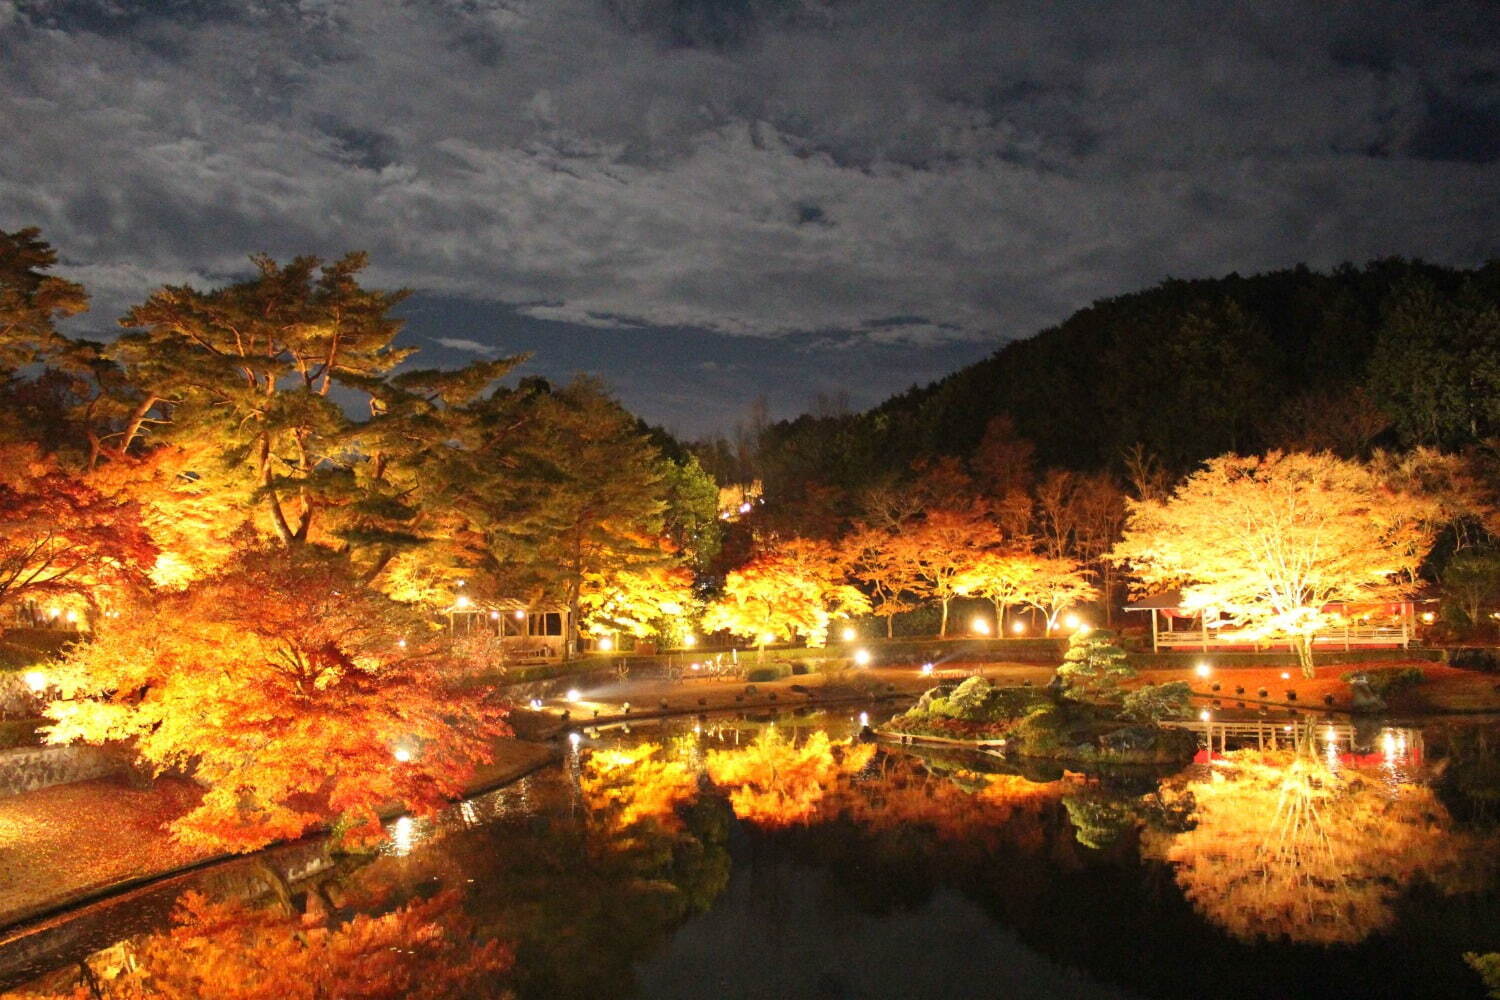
(1057, 874)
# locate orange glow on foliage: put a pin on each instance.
(280, 685)
(627, 787)
(775, 782)
(232, 951)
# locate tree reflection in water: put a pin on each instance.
(424, 950)
(1283, 846)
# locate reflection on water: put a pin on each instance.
(785, 858)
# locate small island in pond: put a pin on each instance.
(1083, 716)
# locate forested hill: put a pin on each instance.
(1396, 351)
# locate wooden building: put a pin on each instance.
(527, 633)
(1386, 625)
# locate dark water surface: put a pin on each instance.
(842, 871)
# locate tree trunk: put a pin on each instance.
(1303, 644)
(890, 626)
(943, 628)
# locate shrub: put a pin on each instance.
(766, 673)
(968, 700)
(1093, 667)
(799, 668)
(1156, 702)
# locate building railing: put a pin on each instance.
(1354, 635)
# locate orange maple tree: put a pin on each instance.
(61, 535)
(299, 697)
(947, 542)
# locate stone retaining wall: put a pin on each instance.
(26, 769)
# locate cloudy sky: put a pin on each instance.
(710, 200)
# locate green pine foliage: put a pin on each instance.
(1093, 667)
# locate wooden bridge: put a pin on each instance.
(1218, 736)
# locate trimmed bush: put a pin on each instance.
(1156, 702)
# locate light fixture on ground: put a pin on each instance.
(35, 679)
(862, 657)
(574, 694)
(1019, 628)
(689, 641)
(926, 670)
(1205, 715)
(1202, 670)
(606, 644)
(1072, 621)
(980, 626)
(849, 634)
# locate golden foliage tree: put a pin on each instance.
(641, 601)
(1269, 541)
(795, 590)
(296, 695)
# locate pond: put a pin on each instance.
(742, 857)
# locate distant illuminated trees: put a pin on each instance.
(1268, 541)
(1005, 579)
(947, 542)
(797, 589)
(887, 562)
(1056, 585)
(298, 696)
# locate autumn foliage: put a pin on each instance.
(61, 535)
(776, 781)
(626, 787)
(1284, 846)
(233, 951)
(1268, 542)
(298, 697)
(796, 589)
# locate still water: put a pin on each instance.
(782, 858)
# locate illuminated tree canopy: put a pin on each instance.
(297, 696)
(1268, 542)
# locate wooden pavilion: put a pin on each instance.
(1386, 625)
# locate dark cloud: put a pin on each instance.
(766, 178)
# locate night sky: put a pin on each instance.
(705, 201)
